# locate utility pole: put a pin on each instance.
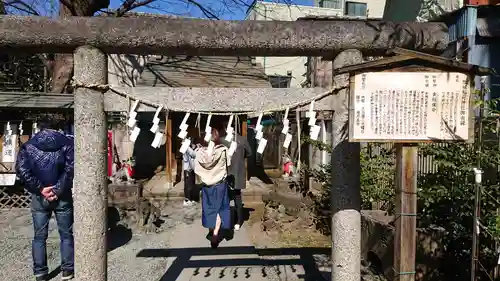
(477, 197)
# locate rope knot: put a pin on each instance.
(93, 86)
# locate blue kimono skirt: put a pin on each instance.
(215, 200)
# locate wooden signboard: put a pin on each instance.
(409, 107)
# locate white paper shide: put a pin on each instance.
(414, 106)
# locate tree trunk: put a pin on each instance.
(62, 71)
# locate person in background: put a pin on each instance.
(189, 175)
(211, 167)
(237, 172)
(45, 166)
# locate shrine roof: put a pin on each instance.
(191, 71)
(399, 57)
(338, 18)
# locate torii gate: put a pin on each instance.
(91, 38)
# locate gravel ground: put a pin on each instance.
(123, 264)
(15, 246)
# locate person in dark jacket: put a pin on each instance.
(237, 172)
(45, 165)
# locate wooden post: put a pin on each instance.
(346, 191)
(168, 148)
(244, 126)
(244, 130)
(406, 211)
(90, 183)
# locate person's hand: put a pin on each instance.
(49, 194)
(47, 191)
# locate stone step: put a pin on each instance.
(250, 194)
(156, 188)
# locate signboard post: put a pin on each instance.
(406, 108)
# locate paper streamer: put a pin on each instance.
(154, 128)
(314, 133)
(208, 129)
(312, 121)
(259, 135)
(311, 108)
(131, 122)
(259, 119)
(156, 120)
(157, 141)
(134, 134)
(184, 146)
(285, 130)
(232, 148)
(262, 145)
(288, 140)
(207, 137)
(134, 107)
(286, 113)
(258, 126)
(186, 117)
(286, 126)
(230, 123)
(132, 119)
(182, 134)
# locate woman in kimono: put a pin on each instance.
(210, 166)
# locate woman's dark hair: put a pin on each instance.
(52, 121)
(218, 123)
(200, 139)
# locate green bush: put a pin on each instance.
(445, 196)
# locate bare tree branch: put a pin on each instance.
(129, 5)
(204, 10)
(21, 6)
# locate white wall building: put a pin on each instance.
(290, 71)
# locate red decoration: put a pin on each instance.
(110, 153)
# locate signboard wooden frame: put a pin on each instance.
(352, 116)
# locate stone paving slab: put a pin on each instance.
(191, 258)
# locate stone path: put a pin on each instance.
(191, 258)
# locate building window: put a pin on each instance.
(278, 81)
(355, 9)
(332, 4)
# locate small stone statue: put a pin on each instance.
(124, 172)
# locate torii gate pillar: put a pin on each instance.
(346, 191)
(90, 191)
